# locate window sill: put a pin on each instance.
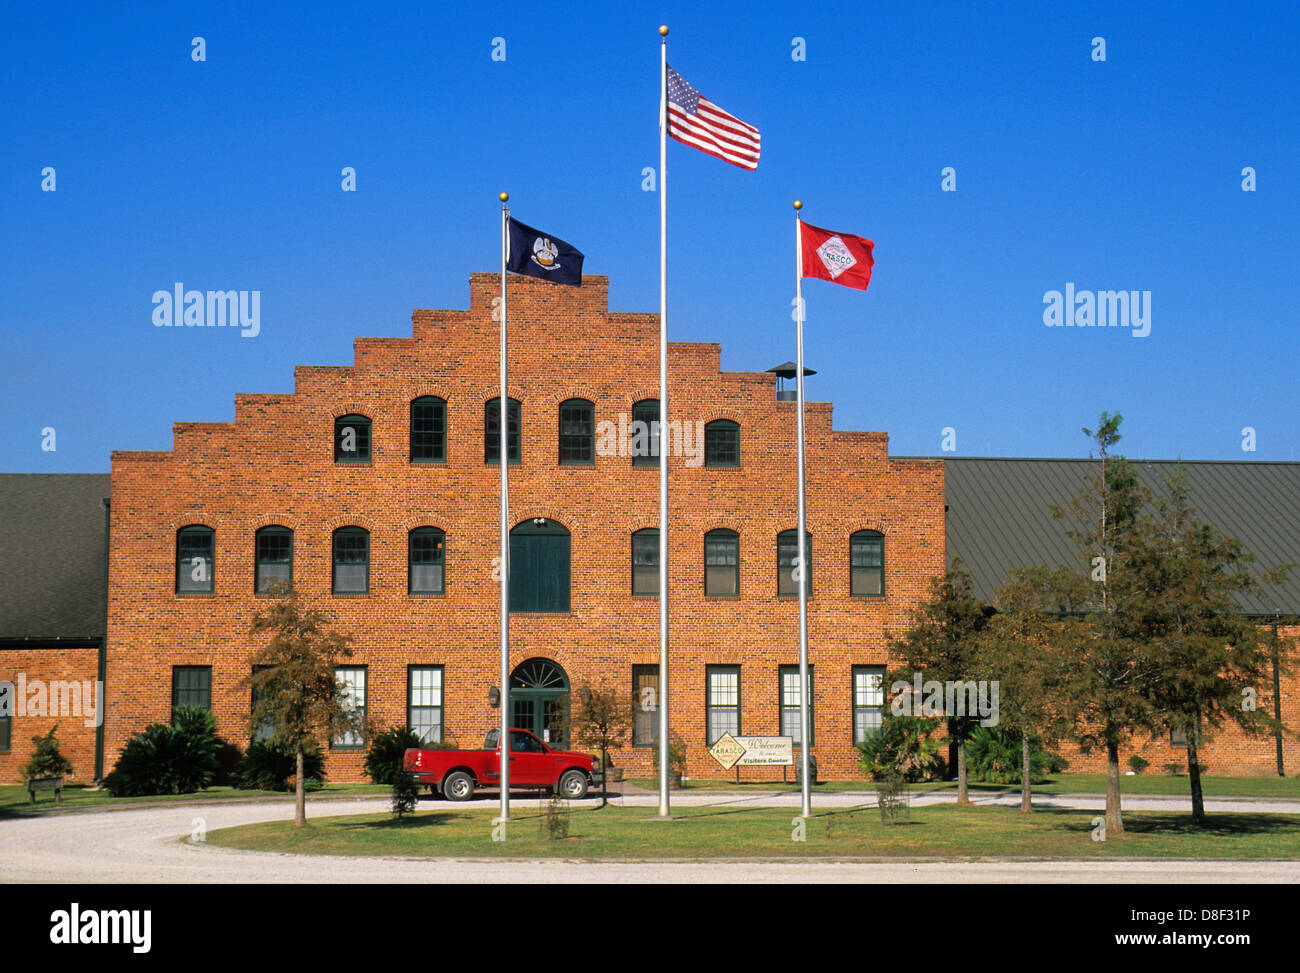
(349, 594)
(194, 594)
(427, 462)
(425, 595)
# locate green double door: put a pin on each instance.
(539, 701)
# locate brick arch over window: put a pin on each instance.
(415, 391)
(574, 392)
(351, 409)
(271, 520)
(639, 395)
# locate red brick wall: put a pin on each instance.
(274, 465)
(76, 740)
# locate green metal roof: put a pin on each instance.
(999, 515)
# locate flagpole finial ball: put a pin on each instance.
(503, 197)
(663, 31)
(798, 204)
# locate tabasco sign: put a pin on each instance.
(732, 751)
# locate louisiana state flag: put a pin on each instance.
(539, 254)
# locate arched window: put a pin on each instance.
(867, 563)
(492, 430)
(577, 433)
(274, 555)
(645, 561)
(195, 552)
(722, 562)
(351, 561)
(722, 443)
(539, 567)
(429, 430)
(643, 439)
(352, 439)
(787, 550)
(425, 573)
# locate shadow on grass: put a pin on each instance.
(416, 822)
(1149, 823)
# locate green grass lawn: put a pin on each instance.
(1154, 784)
(631, 833)
(14, 798)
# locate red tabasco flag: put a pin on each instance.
(841, 258)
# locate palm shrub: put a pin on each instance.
(387, 752)
(995, 755)
(178, 759)
(46, 760)
(267, 768)
(901, 748)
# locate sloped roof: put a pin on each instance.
(999, 515)
(52, 576)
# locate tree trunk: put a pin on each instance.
(1026, 803)
(1194, 772)
(300, 796)
(1114, 820)
(962, 796)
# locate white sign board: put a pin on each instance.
(766, 751)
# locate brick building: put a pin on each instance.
(374, 488)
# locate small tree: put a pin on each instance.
(293, 681)
(942, 644)
(406, 793)
(602, 719)
(46, 760)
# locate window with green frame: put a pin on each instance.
(722, 562)
(645, 705)
(645, 561)
(352, 439)
(577, 433)
(492, 430)
(868, 700)
(787, 551)
(6, 732)
(274, 559)
(424, 702)
(721, 702)
(643, 434)
(426, 571)
(192, 686)
(265, 728)
(351, 561)
(195, 560)
(722, 443)
(429, 430)
(789, 692)
(867, 564)
(352, 682)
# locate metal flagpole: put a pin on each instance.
(662, 701)
(504, 457)
(804, 735)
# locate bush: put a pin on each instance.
(406, 793)
(1138, 764)
(46, 760)
(268, 768)
(995, 755)
(901, 747)
(385, 755)
(1174, 769)
(161, 759)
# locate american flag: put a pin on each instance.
(694, 120)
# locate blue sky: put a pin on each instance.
(1122, 174)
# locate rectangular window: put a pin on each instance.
(790, 705)
(194, 560)
(722, 702)
(427, 557)
(645, 562)
(424, 702)
(577, 432)
(867, 564)
(722, 563)
(274, 557)
(192, 686)
(868, 700)
(6, 731)
(428, 430)
(645, 706)
(492, 431)
(722, 443)
(644, 438)
(351, 561)
(787, 551)
(352, 680)
(264, 729)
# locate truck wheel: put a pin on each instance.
(573, 785)
(458, 786)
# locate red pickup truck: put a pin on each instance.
(456, 773)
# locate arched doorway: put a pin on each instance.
(539, 700)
